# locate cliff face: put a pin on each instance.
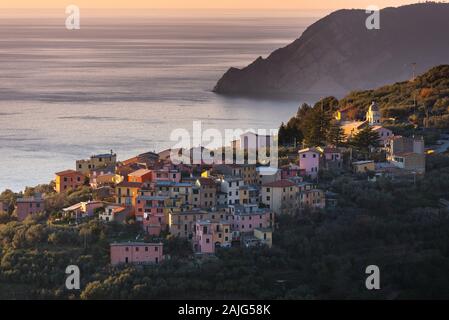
(338, 54)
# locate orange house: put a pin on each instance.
(141, 175)
(68, 179)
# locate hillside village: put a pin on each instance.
(219, 205)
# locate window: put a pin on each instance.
(126, 249)
(137, 249)
(146, 249)
(304, 155)
(156, 248)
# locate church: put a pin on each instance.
(373, 118)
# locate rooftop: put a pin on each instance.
(67, 172)
(127, 184)
(139, 173)
(117, 244)
(309, 150)
(279, 184)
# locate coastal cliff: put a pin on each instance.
(338, 54)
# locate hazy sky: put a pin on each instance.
(207, 4)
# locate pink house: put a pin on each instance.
(150, 211)
(136, 253)
(309, 161)
(29, 206)
(203, 242)
(248, 218)
(210, 235)
(167, 174)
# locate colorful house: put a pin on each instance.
(182, 224)
(332, 158)
(83, 209)
(309, 161)
(407, 153)
(68, 179)
(141, 175)
(363, 166)
(207, 193)
(291, 171)
(136, 253)
(249, 195)
(210, 235)
(265, 236)
(127, 192)
(115, 213)
(314, 198)
(95, 162)
(280, 195)
(231, 185)
(245, 219)
(29, 206)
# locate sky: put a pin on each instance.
(203, 4)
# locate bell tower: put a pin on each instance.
(373, 114)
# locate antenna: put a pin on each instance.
(413, 70)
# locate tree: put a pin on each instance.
(315, 126)
(365, 140)
(335, 135)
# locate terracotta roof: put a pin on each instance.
(139, 173)
(66, 172)
(279, 184)
(129, 184)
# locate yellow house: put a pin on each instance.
(249, 174)
(127, 192)
(363, 166)
(221, 232)
(265, 236)
(182, 224)
(280, 196)
(96, 162)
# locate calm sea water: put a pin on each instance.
(124, 85)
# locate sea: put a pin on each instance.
(124, 82)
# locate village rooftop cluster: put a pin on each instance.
(218, 205)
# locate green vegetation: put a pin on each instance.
(423, 102)
(395, 224)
